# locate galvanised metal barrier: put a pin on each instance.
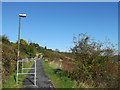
(26, 68)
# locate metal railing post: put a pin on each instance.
(35, 74)
(17, 72)
(22, 65)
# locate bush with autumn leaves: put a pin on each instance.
(97, 63)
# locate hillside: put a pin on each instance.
(87, 62)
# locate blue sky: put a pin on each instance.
(53, 24)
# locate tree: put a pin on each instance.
(93, 60)
(57, 50)
(31, 51)
(45, 47)
(5, 39)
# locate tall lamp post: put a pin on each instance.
(20, 15)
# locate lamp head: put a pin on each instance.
(22, 15)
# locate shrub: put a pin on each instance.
(94, 62)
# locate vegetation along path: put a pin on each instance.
(42, 79)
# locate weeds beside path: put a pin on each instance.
(10, 82)
(59, 80)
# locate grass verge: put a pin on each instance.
(11, 81)
(59, 80)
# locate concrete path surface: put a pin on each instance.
(42, 80)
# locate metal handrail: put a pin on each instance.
(26, 68)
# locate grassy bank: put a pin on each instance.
(59, 80)
(11, 81)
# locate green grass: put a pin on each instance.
(59, 80)
(11, 81)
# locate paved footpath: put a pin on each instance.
(42, 80)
